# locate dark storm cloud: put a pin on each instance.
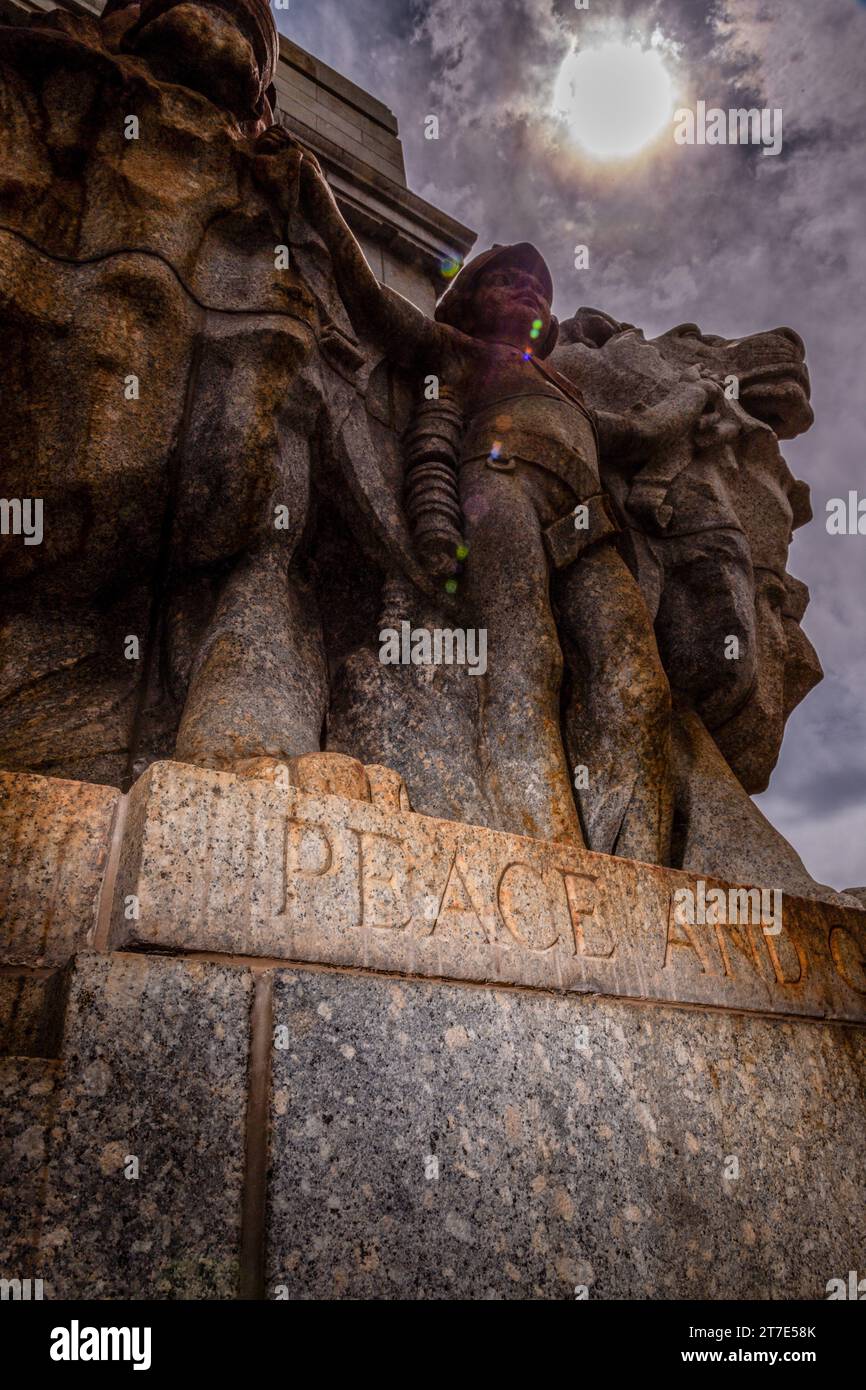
(837, 788)
(730, 238)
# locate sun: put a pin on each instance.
(615, 98)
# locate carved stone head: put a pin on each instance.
(770, 369)
(770, 504)
(225, 49)
(502, 295)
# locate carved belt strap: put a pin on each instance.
(590, 522)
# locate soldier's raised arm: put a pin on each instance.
(403, 331)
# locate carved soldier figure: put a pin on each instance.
(708, 532)
(532, 501)
(162, 387)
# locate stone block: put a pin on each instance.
(289, 103)
(296, 62)
(439, 1142)
(31, 1013)
(343, 118)
(155, 1056)
(297, 83)
(28, 1100)
(390, 164)
(54, 842)
(213, 862)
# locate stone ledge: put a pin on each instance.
(216, 863)
(54, 841)
(414, 1139)
(301, 63)
(358, 185)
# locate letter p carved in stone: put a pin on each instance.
(307, 854)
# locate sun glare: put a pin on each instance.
(615, 98)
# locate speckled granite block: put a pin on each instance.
(155, 1056)
(31, 1013)
(29, 1090)
(433, 1141)
(54, 841)
(216, 862)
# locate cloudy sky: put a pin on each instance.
(727, 237)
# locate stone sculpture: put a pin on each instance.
(708, 532)
(185, 363)
(201, 435)
(329, 606)
(529, 464)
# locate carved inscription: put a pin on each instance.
(307, 877)
(758, 948)
(534, 908)
(848, 957)
(307, 853)
(516, 904)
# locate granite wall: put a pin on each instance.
(192, 1109)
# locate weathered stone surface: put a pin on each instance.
(29, 1093)
(724, 832)
(241, 488)
(709, 525)
(213, 862)
(31, 1013)
(119, 261)
(433, 1141)
(201, 361)
(244, 404)
(332, 774)
(528, 456)
(155, 1066)
(54, 842)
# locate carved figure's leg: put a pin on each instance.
(507, 589)
(618, 726)
(258, 676)
(259, 683)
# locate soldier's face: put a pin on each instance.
(199, 44)
(510, 304)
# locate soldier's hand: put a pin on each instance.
(695, 399)
(276, 140)
(713, 425)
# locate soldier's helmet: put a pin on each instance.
(454, 305)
